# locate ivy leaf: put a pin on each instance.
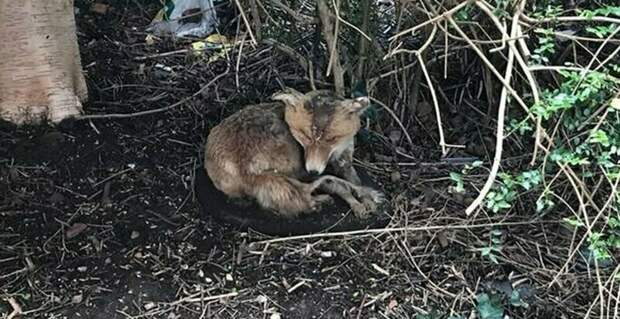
(573, 222)
(515, 299)
(490, 307)
(458, 179)
(600, 137)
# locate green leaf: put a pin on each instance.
(456, 177)
(572, 221)
(433, 314)
(490, 307)
(613, 222)
(515, 299)
(599, 137)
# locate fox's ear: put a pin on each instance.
(357, 105)
(289, 96)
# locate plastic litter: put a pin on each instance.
(218, 44)
(185, 18)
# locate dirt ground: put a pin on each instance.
(98, 219)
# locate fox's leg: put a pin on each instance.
(288, 197)
(362, 200)
(343, 166)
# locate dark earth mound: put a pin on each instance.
(333, 218)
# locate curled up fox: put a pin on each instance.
(268, 151)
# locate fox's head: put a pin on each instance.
(323, 123)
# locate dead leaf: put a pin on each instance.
(99, 8)
(56, 198)
(443, 240)
(393, 303)
(615, 103)
(75, 230)
(380, 270)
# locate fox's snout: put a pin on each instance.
(315, 168)
(316, 160)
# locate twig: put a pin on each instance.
(488, 63)
(524, 67)
(558, 68)
(256, 20)
(583, 239)
(17, 309)
(442, 140)
(239, 60)
(191, 299)
(362, 33)
(330, 32)
(395, 117)
(291, 12)
(290, 52)
(499, 139)
(154, 111)
(570, 19)
(397, 229)
(246, 22)
(433, 20)
(160, 55)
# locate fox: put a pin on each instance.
(277, 153)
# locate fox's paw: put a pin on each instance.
(369, 194)
(370, 199)
(360, 210)
(376, 196)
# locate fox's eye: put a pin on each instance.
(303, 136)
(331, 139)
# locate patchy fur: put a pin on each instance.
(263, 151)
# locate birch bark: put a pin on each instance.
(40, 69)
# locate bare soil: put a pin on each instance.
(98, 218)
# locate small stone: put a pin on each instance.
(56, 198)
(395, 136)
(77, 298)
(134, 234)
(395, 176)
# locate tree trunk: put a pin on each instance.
(40, 70)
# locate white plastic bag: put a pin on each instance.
(185, 18)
